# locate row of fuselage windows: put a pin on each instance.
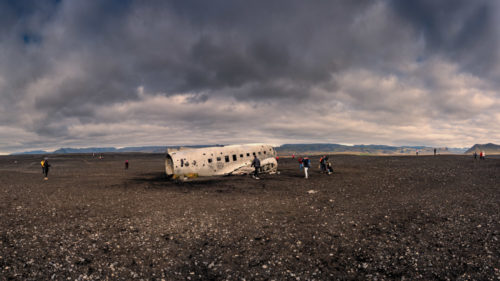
(227, 158)
(235, 157)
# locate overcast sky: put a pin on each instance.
(132, 73)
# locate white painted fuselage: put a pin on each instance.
(219, 160)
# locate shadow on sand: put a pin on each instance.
(160, 180)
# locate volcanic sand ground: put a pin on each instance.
(412, 218)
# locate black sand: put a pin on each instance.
(410, 218)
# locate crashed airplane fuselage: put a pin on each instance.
(219, 160)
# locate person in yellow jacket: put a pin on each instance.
(45, 168)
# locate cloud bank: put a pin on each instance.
(125, 73)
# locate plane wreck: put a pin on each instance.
(219, 161)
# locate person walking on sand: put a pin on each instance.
(45, 167)
(301, 163)
(256, 165)
(126, 164)
(307, 164)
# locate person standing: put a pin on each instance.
(434, 152)
(301, 163)
(256, 165)
(322, 164)
(475, 155)
(307, 164)
(126, 164)
(45, 168)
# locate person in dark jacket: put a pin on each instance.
(329, 169)
(45, 167)
(126, 164)
(322, 161)
(307, 164)
(256, 164)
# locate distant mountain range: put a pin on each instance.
(488, 148)
(141, 149)
(144, 149)
(289, 149)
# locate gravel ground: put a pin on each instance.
(375, 218)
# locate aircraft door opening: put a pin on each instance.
(169, 166)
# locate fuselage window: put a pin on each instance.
(264, 152)
(226, 158)
(235, 157)
(259, 152)
(218, 158)
(209, 160)
(248, 154)
(241, 155)
(253, 153)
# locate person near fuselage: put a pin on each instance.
(256, 165)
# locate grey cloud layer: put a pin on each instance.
(347, 69)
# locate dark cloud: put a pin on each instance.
(465, 31)
(71, 67)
